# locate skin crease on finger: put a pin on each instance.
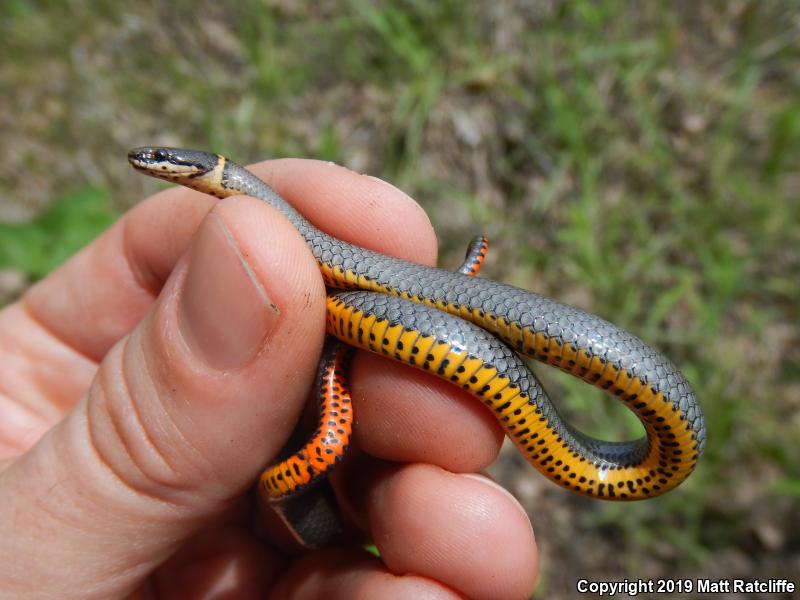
(365, 211)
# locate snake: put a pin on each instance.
(477, 334)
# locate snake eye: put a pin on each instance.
(160, 155)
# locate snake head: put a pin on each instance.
(172, 164)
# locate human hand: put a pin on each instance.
(146, 383)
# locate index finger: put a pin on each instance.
(360, 209)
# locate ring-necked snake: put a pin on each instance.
(469, 331)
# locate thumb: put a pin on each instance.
(180, 418)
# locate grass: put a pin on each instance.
(638, 160)
(40, 245)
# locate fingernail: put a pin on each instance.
(485, 480)
(225, 313)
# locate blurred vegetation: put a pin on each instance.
(40, 245)
(639, 160)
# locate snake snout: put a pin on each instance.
(144, 156)
(162, 161)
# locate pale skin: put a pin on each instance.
(146, 383)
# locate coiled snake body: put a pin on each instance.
(472, 331)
